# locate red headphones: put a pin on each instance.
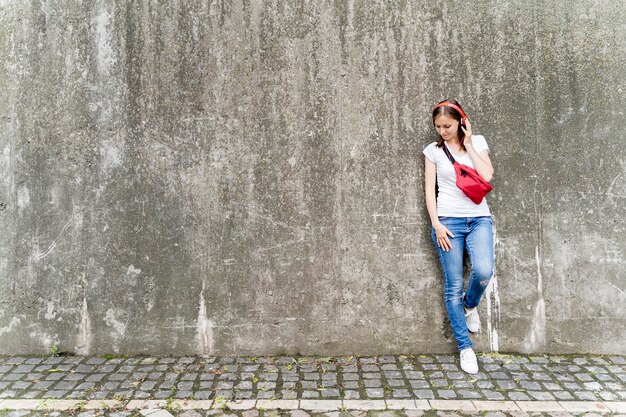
(455, 107)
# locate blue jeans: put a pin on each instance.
(475, 235)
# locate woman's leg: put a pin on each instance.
(479, 244)
(452, 267)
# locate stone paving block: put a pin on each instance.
(485, 384)
(496, 406)
(62, 405)
(375, 392)
(65, 385)
(277, 404)
(530, 385)
(438, 383)
(539, 406)
(584, 406)
(461, 405)
(73, 377)
(202, 395)
(605, 395)
(75, 395)
(492, 395)
(55, 394)
(469, 394)
(541, 395)
(266, 395)
(321, 405)
(408, 404)
(145, 404)
(287, 395)
(424, 393)
(240, 404)
(351, 395)
(21, 404)
(414, 374)
(330, 393)
(563, 395)
(364, 404)
(188, 394)
(518, 396)
(8, 394)
(396, 383)
(21, 385)
(103, 404)
(585, 395)
(155, 413)
(23, 369)
(31, 395)
(506, 384)
(446, 393)
(592, 386)
(419, 384)
(456, 375)
(243, 395)
(51, 377)
(99, 395)
(400, 393)
(616, 406)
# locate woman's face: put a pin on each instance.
(447, 127)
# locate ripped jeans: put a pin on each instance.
(475, 235)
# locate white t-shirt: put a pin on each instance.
(451, 201)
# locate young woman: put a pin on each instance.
(458, 224)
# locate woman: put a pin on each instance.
(458, 224)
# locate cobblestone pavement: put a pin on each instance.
(382, 380)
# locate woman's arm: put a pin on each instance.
(481, 161)
(441, 231)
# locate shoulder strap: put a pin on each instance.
(448, 154)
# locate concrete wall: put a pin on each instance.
(245, 176)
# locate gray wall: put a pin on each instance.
(238, 177)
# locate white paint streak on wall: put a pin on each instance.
(493, 303)
(537, 338)
(6, 329)
(102, 39)
(85, 334)
(50, 313)
(205, 328)
(119, 328)
(54, 243)
(132, 273)
(23, 197)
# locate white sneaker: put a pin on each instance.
(472, 319)
(468, 361)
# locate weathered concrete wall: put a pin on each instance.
(246, 176)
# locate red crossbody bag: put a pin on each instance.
(468, 180)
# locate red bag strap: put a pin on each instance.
(448, 154)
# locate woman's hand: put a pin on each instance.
(442, 234)
(467, 130)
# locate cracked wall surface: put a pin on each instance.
(245, 176)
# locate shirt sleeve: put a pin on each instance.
(480, 144)
(429, 152)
